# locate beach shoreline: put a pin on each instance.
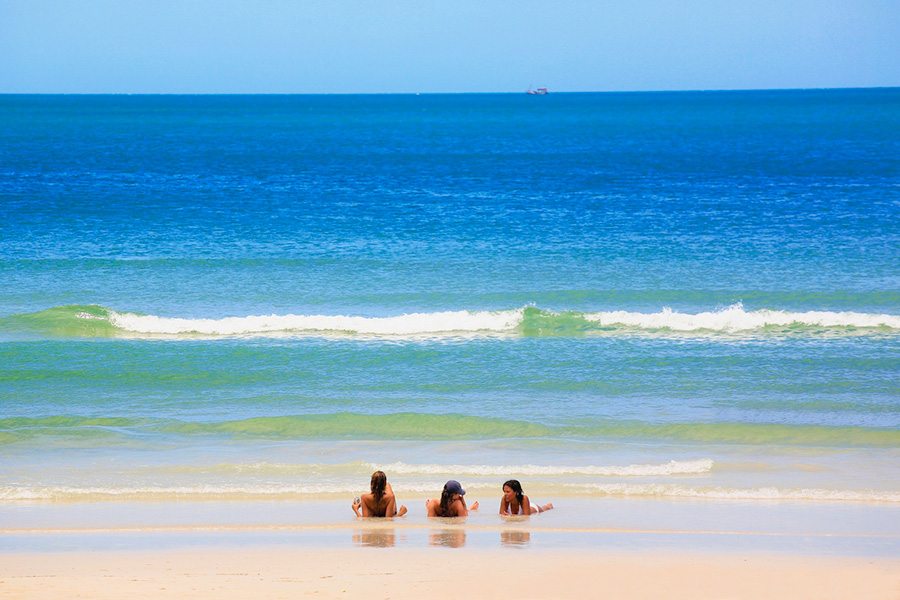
(770, 522)
(636, 549)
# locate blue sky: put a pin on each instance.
(389, 46)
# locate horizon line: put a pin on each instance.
(659, 91)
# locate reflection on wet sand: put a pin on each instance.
(452, 538)
(515, 537)
(384, 538)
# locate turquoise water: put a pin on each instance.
(670, 295)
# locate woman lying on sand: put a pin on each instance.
(381, 502)
(514, 502)
(452, 502)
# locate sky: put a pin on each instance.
(427, 46)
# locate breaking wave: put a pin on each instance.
(97, 321)
(724, 493)
(673, 467)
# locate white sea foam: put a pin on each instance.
(87, 315)
(673, 467)
(720, 493)
(345, 490)
(186, 492)
(362, 469)
(407, 324)
(735, 319)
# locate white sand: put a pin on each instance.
(442, 572)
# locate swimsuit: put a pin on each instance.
(534, 510)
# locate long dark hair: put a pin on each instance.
(379, 482)
(446, 499)
(515, 486)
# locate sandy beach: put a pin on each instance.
(406, 573)
(646, 549)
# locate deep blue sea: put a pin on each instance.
(630, 295)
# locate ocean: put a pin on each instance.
(621, 296)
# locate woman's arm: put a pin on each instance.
(504, 506)
(367, 502)
(462, 510)
(526, 505)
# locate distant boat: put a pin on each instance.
(537, 92)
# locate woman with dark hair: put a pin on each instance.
(452, 502)
(381, 501)
(515, 502)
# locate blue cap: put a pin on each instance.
(453, 487)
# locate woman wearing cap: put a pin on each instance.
(381, 501)
(515, 502)
(452, 502)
